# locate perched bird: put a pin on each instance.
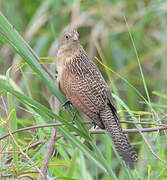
(84, 86)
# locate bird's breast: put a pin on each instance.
(61, 65)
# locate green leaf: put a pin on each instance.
(13, 118)
(2, 92)
(19, 45)
(160, 94)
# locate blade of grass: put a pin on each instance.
(24, 51)
(72, 166)
(13, 119)
(140, 67)
(164, 96)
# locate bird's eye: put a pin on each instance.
(67, 36)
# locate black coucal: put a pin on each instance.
(84, 86)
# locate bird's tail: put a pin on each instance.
(122, 145)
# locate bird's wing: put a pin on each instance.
(111, 103)
(84, 86)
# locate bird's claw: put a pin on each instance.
(93, 123)
(67, 102)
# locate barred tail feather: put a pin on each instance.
(122, 145)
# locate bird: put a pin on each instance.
(84, 86)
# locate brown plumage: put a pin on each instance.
(85, 87)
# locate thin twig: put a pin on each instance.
(25, 172)
(31, 127)
(145, 123)
(25, 177)
(162, 118)
(47, 156)
(5, 175)
(26, 110)
(127, 131)
(149, 146)
(25, 149)
(5, 106)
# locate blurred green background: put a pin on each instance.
(120, 34)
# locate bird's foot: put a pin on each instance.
(93, 123)
(67, 102)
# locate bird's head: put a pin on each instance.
(69, 39)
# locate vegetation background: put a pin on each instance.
(127, 37)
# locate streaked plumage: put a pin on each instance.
(85, 87)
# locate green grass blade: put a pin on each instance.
(140, 67)
(160, 94)
(13, 119)
(15, 39)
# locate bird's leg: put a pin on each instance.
(74, 116)
(67, 102)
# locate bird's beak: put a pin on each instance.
(75, 37)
